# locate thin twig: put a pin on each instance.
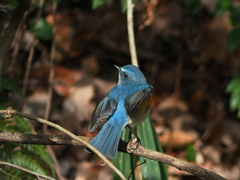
(131, 38)
(85, 143)
(7, 35)
(25, 170)
(9, 174)
(129, 176)
(32, 49)
(177, 88)
(51, 74)
(17, 42)
(50, 92)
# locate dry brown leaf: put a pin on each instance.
(177, 138)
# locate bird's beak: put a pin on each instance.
(119, 69)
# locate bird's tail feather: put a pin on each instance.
(108, 138)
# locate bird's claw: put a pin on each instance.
(133, 145)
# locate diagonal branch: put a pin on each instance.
(16, 15)
(141, 151)
(9, 113)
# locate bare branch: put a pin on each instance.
(8, 113)
(141, 151)
(50, 93)
(131, 38)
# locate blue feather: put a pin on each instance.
(128, 103)
(108, 138)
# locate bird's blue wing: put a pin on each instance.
(133, 101)
(103, 111)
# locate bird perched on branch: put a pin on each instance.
(126, 104)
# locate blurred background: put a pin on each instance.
(188, 50)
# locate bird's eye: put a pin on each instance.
(125, 75)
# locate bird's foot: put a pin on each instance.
(133, 145)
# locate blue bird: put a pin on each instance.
(127, 104)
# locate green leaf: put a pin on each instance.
(192, 5)
(124, 5)
(97, 3)
(233, 39)
(7, 85)
(4, 123)
(234, 101)
(12, 3)
(39, 151)
(123, 161)
(191, 153)
(27, 161)
(233, 89)
(149, 139)
(150, 169)
(44, 30)
(32, 157)
(221, 7)
(234, 15)
(232, 84)
(238, 115)
(16, 124)
(58, 2)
